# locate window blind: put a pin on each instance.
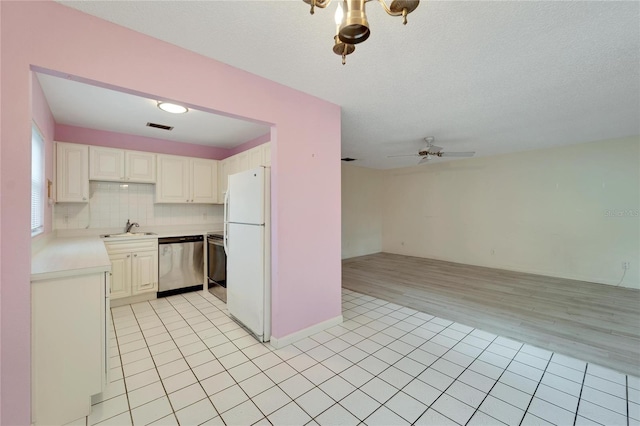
(37, 181)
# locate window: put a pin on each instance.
(37, 181)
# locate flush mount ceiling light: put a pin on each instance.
(352, 26)
(172, 108)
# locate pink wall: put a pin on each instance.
(305, 163)
(44, 120)
(73, 134)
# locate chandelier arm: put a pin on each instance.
(389, 12)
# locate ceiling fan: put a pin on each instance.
(431, 151)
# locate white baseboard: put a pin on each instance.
(306, 332)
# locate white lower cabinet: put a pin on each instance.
(69, 338)
(134, 267)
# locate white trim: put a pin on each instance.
(306, 332)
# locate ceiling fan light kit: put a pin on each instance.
(431, 150)
(352, 26)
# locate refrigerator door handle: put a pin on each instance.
(226, 230)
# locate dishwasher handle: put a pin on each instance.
(179, 240)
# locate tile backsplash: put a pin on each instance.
(112, 203)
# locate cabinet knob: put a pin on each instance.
(135, 255)
(128, 255)
(84, 198)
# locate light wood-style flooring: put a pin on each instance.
(593, 322)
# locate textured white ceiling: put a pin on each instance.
(491, 77)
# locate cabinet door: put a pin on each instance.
(243, 162)
(72, 172)
(106, 164)
(266, 154)
(173, 179)
(145, 272)
(140, 167)
(223, 179)
(120, 275)
(204, 181)
(256, 157)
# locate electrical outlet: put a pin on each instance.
(626, 265)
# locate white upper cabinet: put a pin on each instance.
(204, 181)
(72, 172)
(246, 160)
(186, 180)
(118, 165)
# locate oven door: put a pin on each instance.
(217, 262)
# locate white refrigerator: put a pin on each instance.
(247, 242)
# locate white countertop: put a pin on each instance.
(80, 252)
(62, 257)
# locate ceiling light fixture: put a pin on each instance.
(352, 26)
(172, 108)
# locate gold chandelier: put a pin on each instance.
(352, 26)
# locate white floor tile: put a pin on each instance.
(301, 362)
(208, 369)
(337, 388)
(513, 396)
(217, 383)
(107, 409)
(169, 420)
(382, 354)
(146, 394)
(197, 413)
(453, 409)
(280, 372)
(142, 379)
(271, 400)
(482, 419)
(296, 386)
(152, 411)
(123, 419)
(556, 397)
(436, 379)
(605, 386)
(179, 381)
(229, 398)
(290, 414)
(244, 414)
(356, 376)
(407, 407)
(549, 412)
(421, 391)
(385, 417)
(337, 415)
(502, 411)
(243, 371)
(186, 396)
(432, 417)
(318, 374)
(314, 402)
(600, 414)
(566, 372)
(465, 393)
(256, 384)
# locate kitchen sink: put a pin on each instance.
(127, 234)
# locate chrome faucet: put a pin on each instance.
(130, 225)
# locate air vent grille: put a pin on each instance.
(160, 126)
(348, 159)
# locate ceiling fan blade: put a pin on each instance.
(456, 154)
(406, 155)
(424, 160)
(434, 148)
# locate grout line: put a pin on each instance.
(584, 376)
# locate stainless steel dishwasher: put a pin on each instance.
(180, 264)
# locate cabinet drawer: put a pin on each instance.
(131, 246)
